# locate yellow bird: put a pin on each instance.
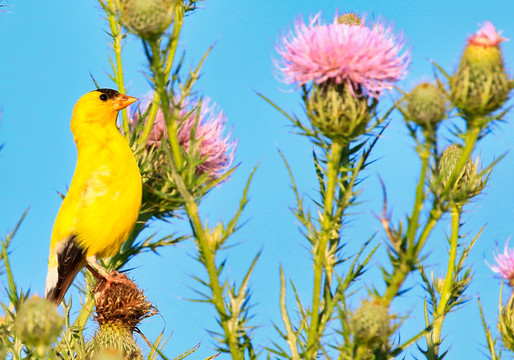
(103, 201)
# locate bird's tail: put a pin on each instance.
(65, 262)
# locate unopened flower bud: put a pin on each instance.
(338, 111)
(506, 324)
(467, 183)
(426, 105)
(447, 163)
(481, 84)
(38, 323)
(147, 18)
(371, 323)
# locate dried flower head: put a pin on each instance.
(120, 307)
(354, 54)
(481, 84)
(505, 264)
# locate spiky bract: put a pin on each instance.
(336, 112)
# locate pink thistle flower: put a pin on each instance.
(487, 36)
(215, 151)
(355, 54)
(505, 264)
(158, 129)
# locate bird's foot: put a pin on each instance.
(112, 279)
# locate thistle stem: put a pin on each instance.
(117, 37)
(170, 58)
(85, 312)
(161, 72)
(320, 249)
(207, 257)
(420, 192)
(442, 308)
(408, 261)
(170, 118)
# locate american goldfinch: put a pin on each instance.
(103, 201)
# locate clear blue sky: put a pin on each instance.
(49, 48)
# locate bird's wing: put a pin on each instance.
(70, 236)
(68, 258)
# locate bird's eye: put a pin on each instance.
(103, 97)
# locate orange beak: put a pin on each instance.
(122, 101)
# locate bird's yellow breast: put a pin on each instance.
(103, 201)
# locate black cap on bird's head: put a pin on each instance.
(110, 93)
(99, 106)
(120, 101)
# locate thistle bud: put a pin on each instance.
(371, 324)
(425, 105)
(338, 111)
(468, 183)
(120, 307)
(147, 18)
(350, 18)
(38, 324)
(481, 84)
(506, 324)
(447, 162)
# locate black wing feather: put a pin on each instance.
(70, 259)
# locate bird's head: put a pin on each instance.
(100, 107)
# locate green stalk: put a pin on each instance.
(85, 312)
(440, 313)
(191, 207)
(207, 255)
(178, 21)
(420, 192)
(10, 278)
(321, 247)
(117, 37)
(408, 258)
(161, 90)
(407, 262)
(292, 338)
(170, 58)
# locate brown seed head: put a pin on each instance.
(121, 302)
